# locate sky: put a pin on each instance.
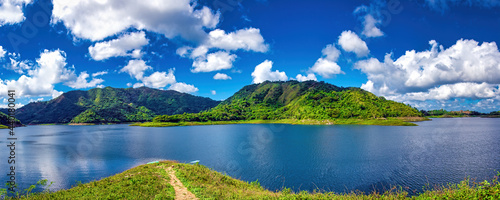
(430, 54)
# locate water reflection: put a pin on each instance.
(331, 158)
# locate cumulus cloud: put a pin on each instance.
(372, 16)
(309, 77)
(16, 64)
(213, 62)
(263, 73)
(467, 69)
(327, 66)
(370, 27)
(183, 87)
(248, 39)
(126, 45)
(2, 52)
(221, 76)
(50, 69)
(350, 42)
(97, 20)
(81, 81)
(11, 11)
(213, 92)
(137, 68)
(159, 80)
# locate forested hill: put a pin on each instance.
(110, 105)
(4, 119)
(299, 100)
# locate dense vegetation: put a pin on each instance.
(4, 121)
(494, 114)
(448, 114)
(300, 101)
(109, 105)
(444, 113)
(152, 182)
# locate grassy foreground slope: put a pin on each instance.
(300, 102)
(150, 181)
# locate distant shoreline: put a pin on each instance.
(403, 121)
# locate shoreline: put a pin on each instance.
(403, 121)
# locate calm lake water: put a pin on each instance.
(333, 158)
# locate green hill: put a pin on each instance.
(4, 120)
(112, 105)
(293, 100)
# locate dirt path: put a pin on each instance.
(181, 192)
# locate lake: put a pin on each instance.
(337, 158)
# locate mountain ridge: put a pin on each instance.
(112, 105)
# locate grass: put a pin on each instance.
(381, 122)
(143, 182)
(150, 181)
(3, 127)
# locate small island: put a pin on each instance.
(293, 102)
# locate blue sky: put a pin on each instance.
(431, 54)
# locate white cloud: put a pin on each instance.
(326, 68)
(309, 77)
(126, 45)
(97, 20)
(159, 79)
(214, 62)
(372, 16)
(263, 73)
(17, 66)
(327, 65)
(99, 73)
(2, 52)
(213, 92)
(464, 70)
(81, 82)
(370, 27)
(11, 11)
(351, 42)
(50, 69)
(136, 69)
(136, 85)
(457, 90)
(220, 76)
(183, 87)
(330, 52)
(248, 39)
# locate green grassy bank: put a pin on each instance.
(381, 122)
(151, 181)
